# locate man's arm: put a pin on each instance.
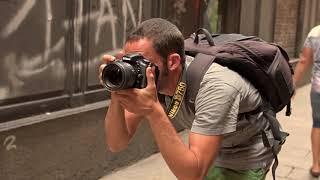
(120, 125)
(185, 162)
(306, 60)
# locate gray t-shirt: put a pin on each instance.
(222, 97)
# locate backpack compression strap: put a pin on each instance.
(279, 137)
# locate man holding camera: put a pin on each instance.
(222, 143)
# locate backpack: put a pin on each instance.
(254, 59)
(265, 65)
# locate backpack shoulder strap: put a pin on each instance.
(195, 72)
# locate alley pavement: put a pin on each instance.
(294, 159)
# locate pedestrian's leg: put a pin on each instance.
(315, 133)
(315, 145)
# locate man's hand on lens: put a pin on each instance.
(105, 60)
(139, 101)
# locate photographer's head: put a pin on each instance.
(162, 43)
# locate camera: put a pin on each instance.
(127, 72)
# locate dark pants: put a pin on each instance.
(315, 104)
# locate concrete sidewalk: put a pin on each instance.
(294, 159)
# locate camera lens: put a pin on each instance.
(118, 75)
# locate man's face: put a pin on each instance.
(144, 47)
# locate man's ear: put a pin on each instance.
(173, 61)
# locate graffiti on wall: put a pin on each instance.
(9, 143)
(43, 68)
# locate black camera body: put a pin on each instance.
(127, 72)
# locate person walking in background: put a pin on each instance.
(310, 56)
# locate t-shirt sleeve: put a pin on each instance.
(312, 38)
(217, 107)
(307, 42)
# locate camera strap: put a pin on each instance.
(178, 97)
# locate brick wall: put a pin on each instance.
(286, 25)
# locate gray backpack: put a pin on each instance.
(265, 65)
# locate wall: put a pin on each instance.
(67, 147)
(286, 22)
(51, 51)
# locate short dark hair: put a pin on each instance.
(166, 37)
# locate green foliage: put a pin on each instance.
(213, 15)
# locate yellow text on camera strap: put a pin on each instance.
(177, 100)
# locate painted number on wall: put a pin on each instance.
(9, 143)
